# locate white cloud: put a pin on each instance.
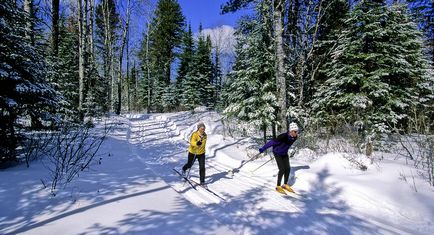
(222, 38)
(223, 42)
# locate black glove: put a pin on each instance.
(199, 143)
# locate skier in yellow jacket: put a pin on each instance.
(197, 150)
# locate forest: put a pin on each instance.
(361, 70)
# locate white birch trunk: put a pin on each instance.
(28, 8)
(91, 32)
(81, 51)
(148, 71)
(109, 71)
(280, 69)
(128, 72)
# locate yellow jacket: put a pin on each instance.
(194, 148)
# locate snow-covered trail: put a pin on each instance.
(120, 196)
(250, 206)
(135, 191)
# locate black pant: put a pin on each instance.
(201, 158)
(284, 168)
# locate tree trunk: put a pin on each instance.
(91, 33)
(128, 72)
(280, 69)
(55, 27)
(148, 71)
(121, 54)
(81, 57)
(136, 86)
(28, 8)
(108, 55)
(30, 36)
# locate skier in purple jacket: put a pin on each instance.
(281, 144)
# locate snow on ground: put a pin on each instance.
(135, 191)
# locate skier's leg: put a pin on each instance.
(280, 165)
(189, 163)
(286, 168)
(201, 159)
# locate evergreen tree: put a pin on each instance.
(197, 83)
(25, 92)
(249, 93)
(327, 37)
(185, 64)
(217, 80)
(209, 71)
(143, 89)
(67, 68)
(166, 32)
(424, 10)
(133, 81)
(169, 97)
(376, 69)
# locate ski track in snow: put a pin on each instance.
(251, 206)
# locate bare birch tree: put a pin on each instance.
(280, 63)
(91, 47)
(81, 54)
(28, 8)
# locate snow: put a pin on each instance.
(135, 191)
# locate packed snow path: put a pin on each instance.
(251, 205)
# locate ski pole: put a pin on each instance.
(188, 173)
(194, 158)
(256, 156)
(263, 164)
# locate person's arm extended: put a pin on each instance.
(268, 144)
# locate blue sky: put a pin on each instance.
(207, 12)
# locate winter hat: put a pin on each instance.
(200, 124)
(293, 126)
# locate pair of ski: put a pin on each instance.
(288, 193)
(194, 184)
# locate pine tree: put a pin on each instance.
(281, 73)
(249, 93)
(134, 86)
(209, 97)
(166, 30)
(217, 80)
(424, 11)
(332, 23)
(25, 92)
(186, 59)
(197, 82)
(67, 68)
(376, 67)
(169, 97)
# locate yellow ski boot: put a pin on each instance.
(287, 188)
(280, 190)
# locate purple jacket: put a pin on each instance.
(281, 144)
